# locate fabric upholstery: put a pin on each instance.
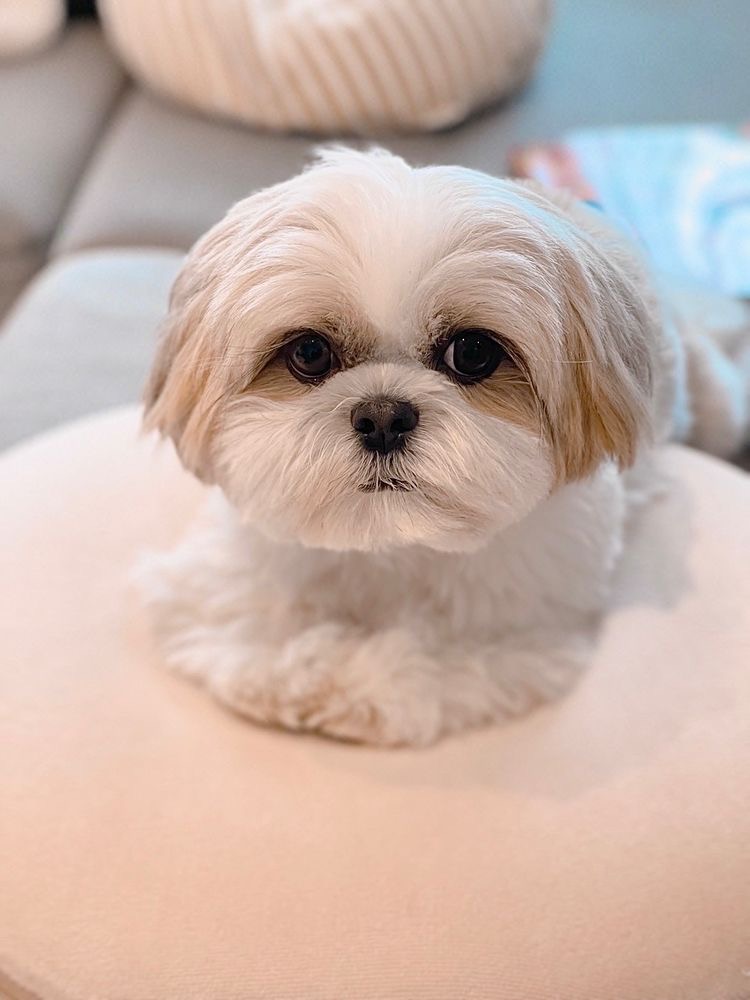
(331, 65)
(181, 173)
(52, 107)
(153, 845)
(81, 337)
(17, 267)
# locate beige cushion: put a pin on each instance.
(81, 337)
(154, 846)
(331, 65)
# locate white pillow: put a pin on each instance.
(331, 65)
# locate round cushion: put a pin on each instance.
(154, 845)
(330, 65)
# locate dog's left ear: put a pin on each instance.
(602, 404)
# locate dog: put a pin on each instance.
(428, 398)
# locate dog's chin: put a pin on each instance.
(390, 486)
(334, 500)
(381, 517)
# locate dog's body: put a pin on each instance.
(427, 396)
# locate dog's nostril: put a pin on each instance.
(404, 424)
(384, 423)
(363, 425)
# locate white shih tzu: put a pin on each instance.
(424, 395)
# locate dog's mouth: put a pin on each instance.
(385, 486)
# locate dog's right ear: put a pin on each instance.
(179, 399)
(189, 381)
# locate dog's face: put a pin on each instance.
(371, 355)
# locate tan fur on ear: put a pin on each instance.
(611, 337)
(176, 391)
(193, 370)
(605, 410)
(201, 361)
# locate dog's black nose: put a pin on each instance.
(383, 424)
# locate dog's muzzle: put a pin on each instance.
(383, 424)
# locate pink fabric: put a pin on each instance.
(154, 846)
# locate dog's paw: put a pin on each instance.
(389, 688)
(334, 679)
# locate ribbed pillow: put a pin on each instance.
(331, 65)
(28, 25)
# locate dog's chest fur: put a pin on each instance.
(391, 647)
(551, 570)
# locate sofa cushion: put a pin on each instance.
(153, 845)
(17, 267)
(162, 176)
(52, 107)
(81, 337)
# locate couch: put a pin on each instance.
(93, 164)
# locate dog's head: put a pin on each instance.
(372, 355)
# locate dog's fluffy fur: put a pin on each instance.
(317, 598)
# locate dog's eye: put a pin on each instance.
(473, 355)
(309, 357)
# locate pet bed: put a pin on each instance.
(153, 845)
